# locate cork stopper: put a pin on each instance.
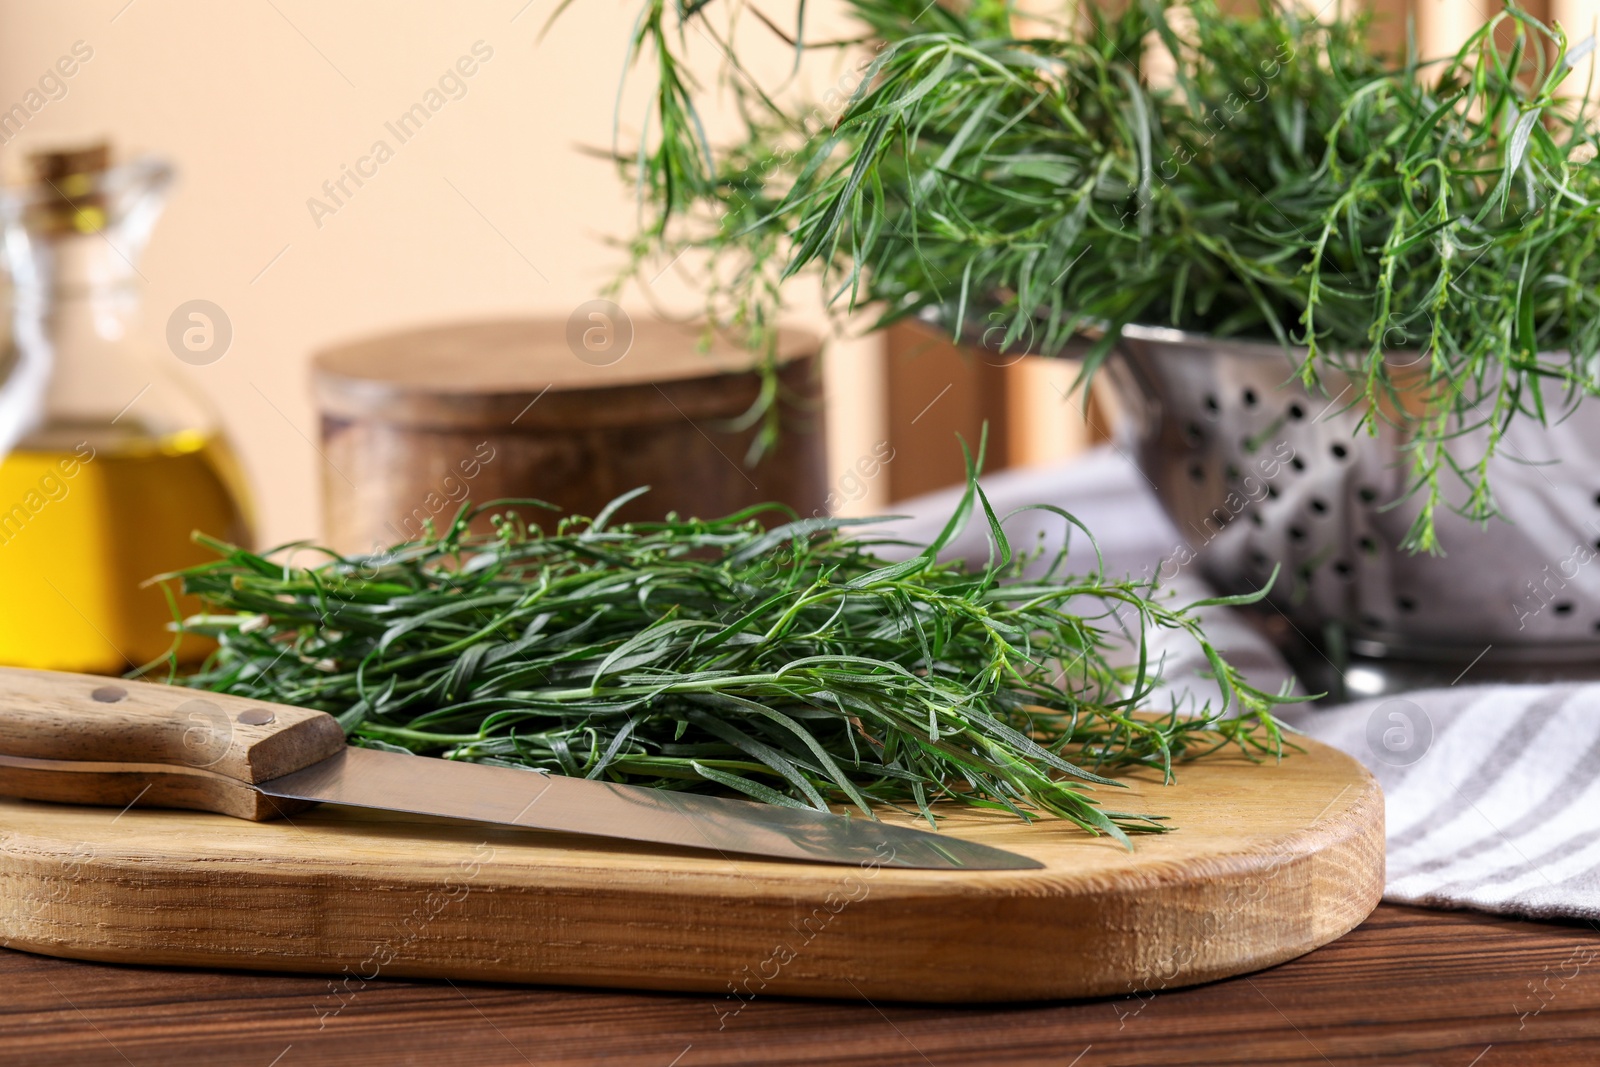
(70, 194)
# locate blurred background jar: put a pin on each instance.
(110, 461)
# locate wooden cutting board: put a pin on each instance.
(1266, 863)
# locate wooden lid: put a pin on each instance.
(487, 373)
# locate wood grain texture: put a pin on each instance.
(1407, 987)
(456, 373)
(1269, 862)
(415, 422)
(214, 745)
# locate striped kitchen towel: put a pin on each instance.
(1492, 796)
(1492, 792)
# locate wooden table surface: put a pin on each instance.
(1407, 987)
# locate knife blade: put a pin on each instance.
(82, 739)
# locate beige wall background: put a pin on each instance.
(493, 207)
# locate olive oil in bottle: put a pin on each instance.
(123, 461)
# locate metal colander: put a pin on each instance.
(1256, 471)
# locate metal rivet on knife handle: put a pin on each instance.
(63, 739)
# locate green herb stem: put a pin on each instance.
(1289, 181)
(793, 664)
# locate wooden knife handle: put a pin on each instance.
(153, 745)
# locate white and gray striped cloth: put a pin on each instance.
(1492, 792)
(1492, 797)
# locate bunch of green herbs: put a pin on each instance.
(793, 664)
(1423, 226)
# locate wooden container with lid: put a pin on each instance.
(415, 422)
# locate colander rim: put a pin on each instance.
(1250, 347)
(1136, 331)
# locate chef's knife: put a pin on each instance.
(80, 739)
